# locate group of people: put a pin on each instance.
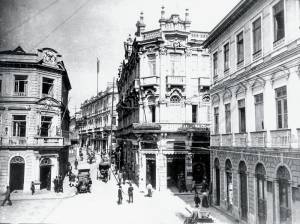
(58, 184)
(129, 192)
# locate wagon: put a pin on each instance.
(84, 180)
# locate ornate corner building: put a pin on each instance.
(255, 157)
(97, 121)
(163, 109)
(34, 118)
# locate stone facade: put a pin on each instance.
(164, 105)
(34, 118)
(255, 132)
(95, 122)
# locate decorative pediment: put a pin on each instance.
(281, 72)
(206, 98)
(49, 56)
(227, 95)
(241, 90)
(215, 99)
(49, 103)
(259, 83)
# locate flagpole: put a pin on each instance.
(98, 67)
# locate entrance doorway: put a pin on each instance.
(151, 170)
(175, 170)
(45, 174)
(217, 180)
(243, 190)
(229, 185)
(260, 174)
(16, 177)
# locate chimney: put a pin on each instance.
(140, 25)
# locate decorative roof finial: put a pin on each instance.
(187, 15)
(162, 12)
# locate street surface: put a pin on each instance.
(100, 206)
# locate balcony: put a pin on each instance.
(215, 140)
(49, 141)
(281, 138)
(176, 81)
(20, 93)
(16, 141)
(227, 140)
(258, 138)
(240, 139)
(150, 81)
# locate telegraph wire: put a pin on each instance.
(62, 23)
(31, 17)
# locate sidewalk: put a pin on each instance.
(43, 194)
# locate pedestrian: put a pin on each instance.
(149, 188)
(109, 173)
(32, 188)
(205, 203)
(61, 184)
(76, 163)
(197, 200)
(120, 196)
(55, 182)
(124, 176)
(130, 193)
(7, 197)
(120, 176)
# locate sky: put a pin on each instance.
(82, 30)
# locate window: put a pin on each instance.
(175, 63)
(47, 87)
(0, 86)
(152, 109)
(216, 119)
(259, 112)
(20, 85)
(114, 121)
(240, 47)
(152, 66)
(19, 125)
(45, 125)
(256, 29)
(215, 64)
(242, 116)
(226, 57)
(194, 113)
(228, 118)
(278, 17)
(281, 107)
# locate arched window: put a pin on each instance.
(243, 190)
(283, 176)
(175, 99)
(217, 181)
(260, 174)
(229, 185)
(17, 159)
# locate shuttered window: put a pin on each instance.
(259, 112)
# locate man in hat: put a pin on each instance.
(7, 197)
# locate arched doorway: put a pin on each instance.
(45, 173)
(243, 190)
(16, 177)
(260, 174)
(229, 185)
(284, 191)
(217, 181)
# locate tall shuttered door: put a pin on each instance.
(217, 186)
(243, 191)
(16, 178)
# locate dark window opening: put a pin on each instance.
(20, 85)
(240, 47)
(256, 35)
(152, 108)
(194, 113)
(45, 126)
(278, 17)
(226, 57)
(281, 107)
(216, 119)
(215, 64)
(228, 118)
(19, 125)
(47, 87)
(242, 116)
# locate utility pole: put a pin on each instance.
(98, 70)
(111, 120)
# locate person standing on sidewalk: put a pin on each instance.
(76, 163)
(7, 197)
(197, 200)
(130, 193)
(32, 188)
(149, 188)
(120, 177)
(120, 196)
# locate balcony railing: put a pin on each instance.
(215, 140)
(240, 139)
(150, 81)
(17, 141)
(227, 140)
(20, 93)
(258, 138)
(281, 138)
(176, 80)
(49, 141)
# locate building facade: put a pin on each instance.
(98, 121)
(255, 157)
(163, 84)
(34, 118)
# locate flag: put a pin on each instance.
(98, 65)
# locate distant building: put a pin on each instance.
(95, 124)
(255, 154)
(34, 118)
(163, 132)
